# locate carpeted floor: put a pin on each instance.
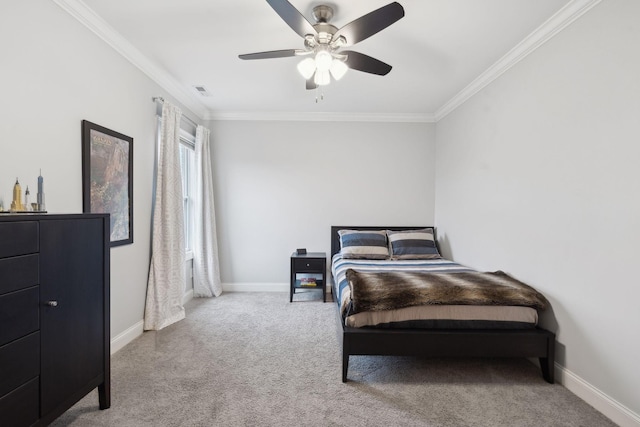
(254, 359)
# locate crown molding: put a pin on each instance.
(322, 117)
(86, 16)
(560, 20)
(552, 26)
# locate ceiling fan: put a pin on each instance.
(323, 42)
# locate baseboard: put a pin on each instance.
(259, 287)
(124, 338)
(612, 409)
(255, 287)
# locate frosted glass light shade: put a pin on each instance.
(338, 69)
(322, 78)
(307, 67)
(323, 60)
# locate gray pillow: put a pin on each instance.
(366, 244)
(413, 244)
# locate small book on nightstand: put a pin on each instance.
(308, 282)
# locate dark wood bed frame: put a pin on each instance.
(525, 343)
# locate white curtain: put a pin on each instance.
(206, 277)
(167, 270)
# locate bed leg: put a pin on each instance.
(547, 364)
(345, 366)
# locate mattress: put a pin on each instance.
(424, 316)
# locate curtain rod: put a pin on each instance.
(161, 100)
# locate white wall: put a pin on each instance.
(53, 74)
(538, 175)
(281, 185)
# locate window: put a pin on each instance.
(187, 166)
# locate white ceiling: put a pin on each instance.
(438, 51)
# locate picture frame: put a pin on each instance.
(107, 178)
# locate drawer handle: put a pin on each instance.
(52, 303)
(308, 265)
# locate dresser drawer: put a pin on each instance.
(309, 265)
(19, 362)
(18, 273)
(21, 407)
(18, 238)
(19, 314)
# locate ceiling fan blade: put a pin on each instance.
(292, 17)
(361, 62)
(272, 54)
(311, 84)
(369, 24)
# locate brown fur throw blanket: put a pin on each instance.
(392, 290)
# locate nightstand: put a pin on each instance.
(308, 271)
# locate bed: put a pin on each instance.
(512, 332)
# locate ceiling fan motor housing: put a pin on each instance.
(322, 13)
(325, 32)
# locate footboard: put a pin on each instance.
(450, 343)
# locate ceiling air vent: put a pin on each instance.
(202, 90)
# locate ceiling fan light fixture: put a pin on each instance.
(322, 78)
(338, 69)
(307, 67)
(323, 60)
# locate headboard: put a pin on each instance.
(335, 237)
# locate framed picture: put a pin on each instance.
(107, 178)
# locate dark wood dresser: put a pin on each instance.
(54, 315)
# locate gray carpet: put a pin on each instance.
(254, 359)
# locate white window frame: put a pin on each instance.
(187, 168)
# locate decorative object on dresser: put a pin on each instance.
(439, 328)
(308, 271)
(16, 203)
(20, 204)
(54, 312)
(41, 206)
(107, 178)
